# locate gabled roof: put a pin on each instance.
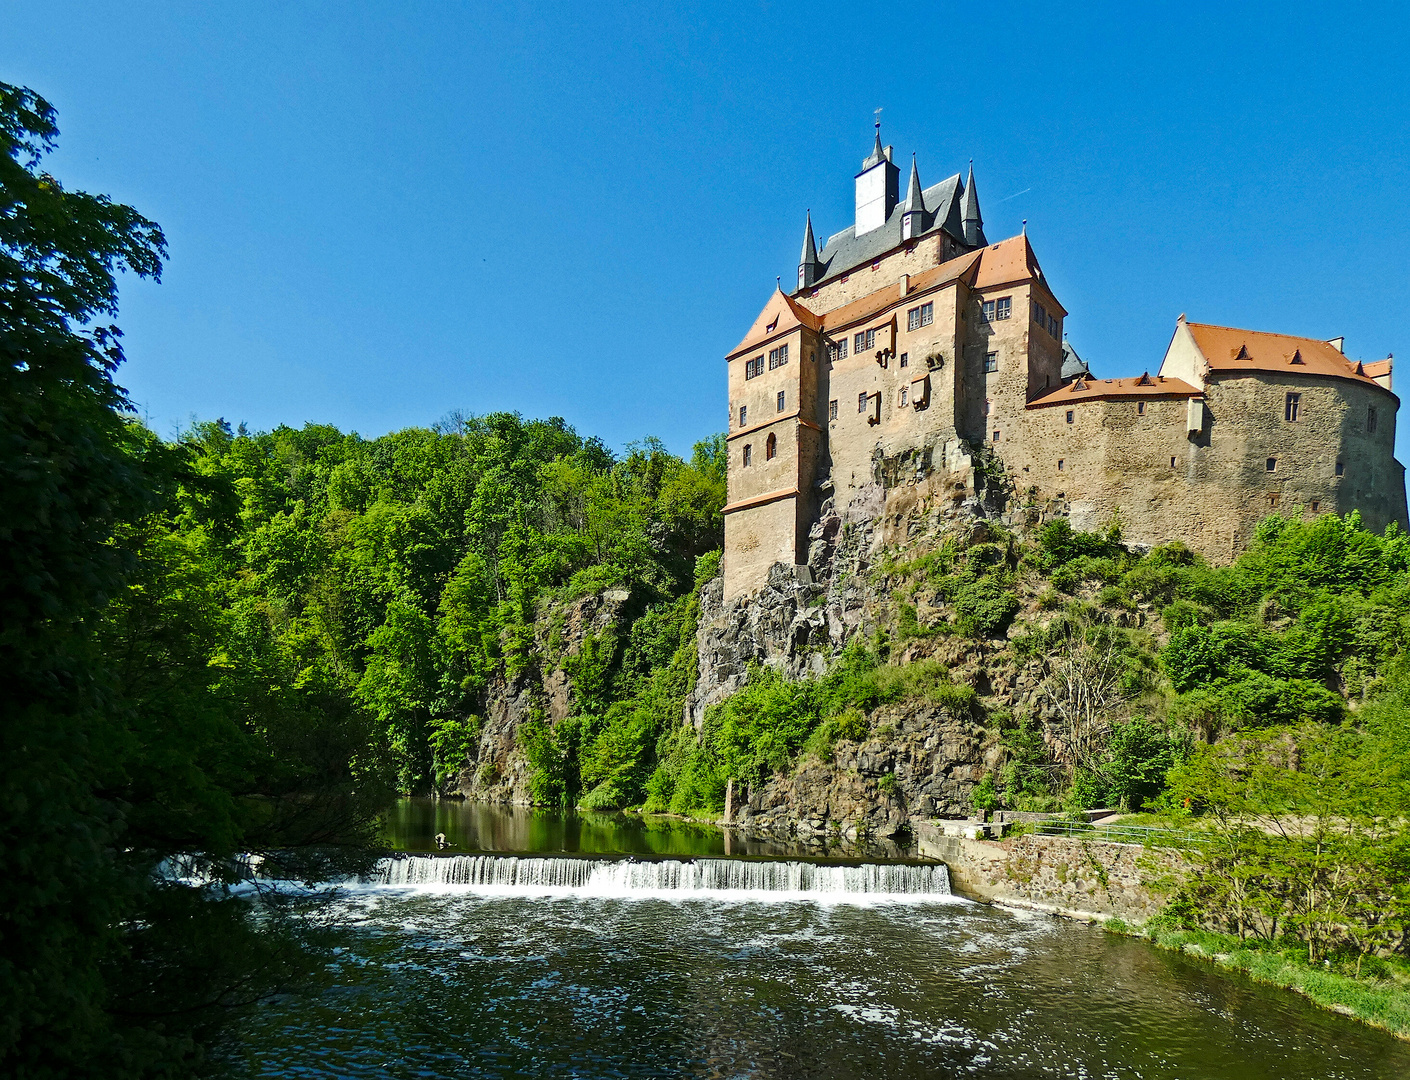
(1145, 386)
(1229, 351)
(1072, 364)
(845, 251)
(915, 198)
(781, 314)
(1009, 262)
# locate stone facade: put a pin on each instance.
(916, 342)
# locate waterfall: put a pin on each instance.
(666, 877)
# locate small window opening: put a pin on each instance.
(996, 434)
(1316, 505)
(905, 359)
(1061, 464)
(1271, 465)
(1370, 419)
(1272, 499)
(771, 448)
(748, 454)
(1069, 416)
(991, 362)
(781, 399)
(1341, 468)
(832, 409)
(743, 415)
(987, 406)
(1292, 408)
(903, 396)
(1172, 463)
(1140, 408)
(861, 403)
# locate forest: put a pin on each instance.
(229, 643)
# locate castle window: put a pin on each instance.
(1172, 463)
(778, 357)
(1053, 325)
(991, 362)
(1040, 316)
(1370, 419)
(987, 405)
(753, 367)
(988, 311)
(812, 357)
(996, 434)
(781, 400)
(1292, 408)
(1273, 500)
(913, 319)
(771, 448)
(743, 415)
(903, 396)
(1003, 307)
(1341, 468)
(1070, 415)
(837, 350)
(862, 406)
(832, 409)
(1270, 465)
(1140, 408)
(865, 339)
(748, 454)
(927, 314)
(1315, 505)
(905, 359)
(1061, 464)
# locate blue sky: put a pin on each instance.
(381, 212)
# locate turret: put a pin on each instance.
(913, 216)
(877, 185)
(808, 265)
(973, 221)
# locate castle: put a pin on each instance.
(914, 351)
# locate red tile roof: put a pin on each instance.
(1230, 351)
(1145, 386)
(781, 314)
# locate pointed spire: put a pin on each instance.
(878, 153)
(915, 198)
(973, 220)
(808, 267)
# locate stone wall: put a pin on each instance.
(1088, 879)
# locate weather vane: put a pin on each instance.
(878, 119)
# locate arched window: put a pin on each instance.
(748, 453)
(771, 448)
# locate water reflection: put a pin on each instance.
(412, 825)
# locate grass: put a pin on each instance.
(1381, 999)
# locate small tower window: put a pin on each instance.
(861, 402)
(1172, 463)
(1271, 465)
(1315, 505)
(1370, 419)
(905, 359)
(748, 455)
(771, 448)
(1292, 407)
(1061, 464)
(1070, 415)
(903, 397)
(1341, 468)
(743, 415)
(996, 434)
(781, 399)
(991, 362)
(832, 409)
(1273, 500)
(1140, 408)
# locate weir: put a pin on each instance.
(677, 877)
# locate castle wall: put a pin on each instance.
(916, 256)
(755, 539)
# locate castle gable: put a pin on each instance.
(781, 314)
(888, 296)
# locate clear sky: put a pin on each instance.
(382, 212)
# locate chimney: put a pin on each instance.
(887, 152)
(1337, 343)
(905, 285)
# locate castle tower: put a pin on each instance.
(913, 216)
(877, 185)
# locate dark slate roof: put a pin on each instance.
(845, 251)
(1072, 364)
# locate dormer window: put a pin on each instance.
(754, 368)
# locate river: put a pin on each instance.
(566, 946)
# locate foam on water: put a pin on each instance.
(730, 879)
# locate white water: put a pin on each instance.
(671, 878)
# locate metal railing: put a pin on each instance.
(1144, 835)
